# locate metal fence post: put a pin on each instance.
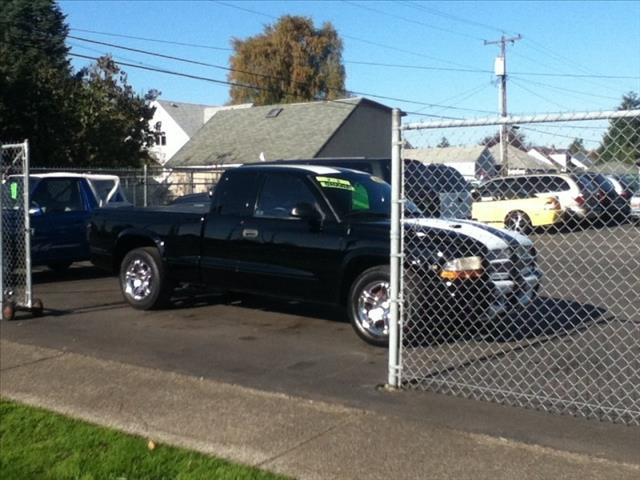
(27, 223)
(145, 181)
(395, 253)
(2, 264)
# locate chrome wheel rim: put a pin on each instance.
(517, 222)
(372, 310)
(138, 279)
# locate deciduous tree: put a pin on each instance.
(114, 120)
(291, 61)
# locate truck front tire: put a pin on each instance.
(369, 306)
(143, 281)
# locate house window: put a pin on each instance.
(160, 138)
(274, 112)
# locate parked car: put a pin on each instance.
(612, 205)
(61, 204)
(634, 204)
(438, 191)
(511, 204)
(316, 234)
(582, 196)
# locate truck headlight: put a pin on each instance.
(462, 268)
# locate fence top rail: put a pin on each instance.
(12, 145)
(515, 119)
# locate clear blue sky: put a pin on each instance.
(559, 38)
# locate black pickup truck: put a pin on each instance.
(317, 234)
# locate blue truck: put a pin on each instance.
(60, 207)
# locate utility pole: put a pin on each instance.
(501, 73)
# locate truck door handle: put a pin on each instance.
(249, 233)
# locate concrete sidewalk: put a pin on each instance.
(300, 438)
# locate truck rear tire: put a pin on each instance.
(369, 306)
(143, 281)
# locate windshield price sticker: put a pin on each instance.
(14, 191)
(330, 182)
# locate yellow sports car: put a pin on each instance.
(515, 211)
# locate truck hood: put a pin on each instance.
(450, 237)
(491, 237)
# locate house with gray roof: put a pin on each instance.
(353, 127)
(562, 158)
(520, 162)
(174, 123)
(473, 162)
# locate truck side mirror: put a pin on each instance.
(305, 211)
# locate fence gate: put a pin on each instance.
(477, 321)
(15, 244)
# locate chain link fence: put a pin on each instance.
(15, 253)
(543, 299)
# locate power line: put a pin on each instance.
(418, 67)
(463, 96)
(555, 134)
(255, 87)
(146, 39)
(477, 70)
(455, 18)
(357, 39)
(537, 95)
(410, 20)
(181, 59)
(536, 45)
(587, 80)
(377, 64)
(570, 90)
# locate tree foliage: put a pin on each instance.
(514, 138)
(291, 61)
(35, 78)
(91, 117)
(444, 143)
(621, 142)
(577, 146)
(114, 120)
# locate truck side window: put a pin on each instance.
(55, 195)
(236, 193)
(280, 193)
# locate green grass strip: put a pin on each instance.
(37, 444)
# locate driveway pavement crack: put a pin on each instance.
(39, 360)
(304, 442)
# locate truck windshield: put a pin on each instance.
(351, 193)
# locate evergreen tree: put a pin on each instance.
(92, 117)
(35, 79)
(621, 142)
(444, 143)
(291, 61)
